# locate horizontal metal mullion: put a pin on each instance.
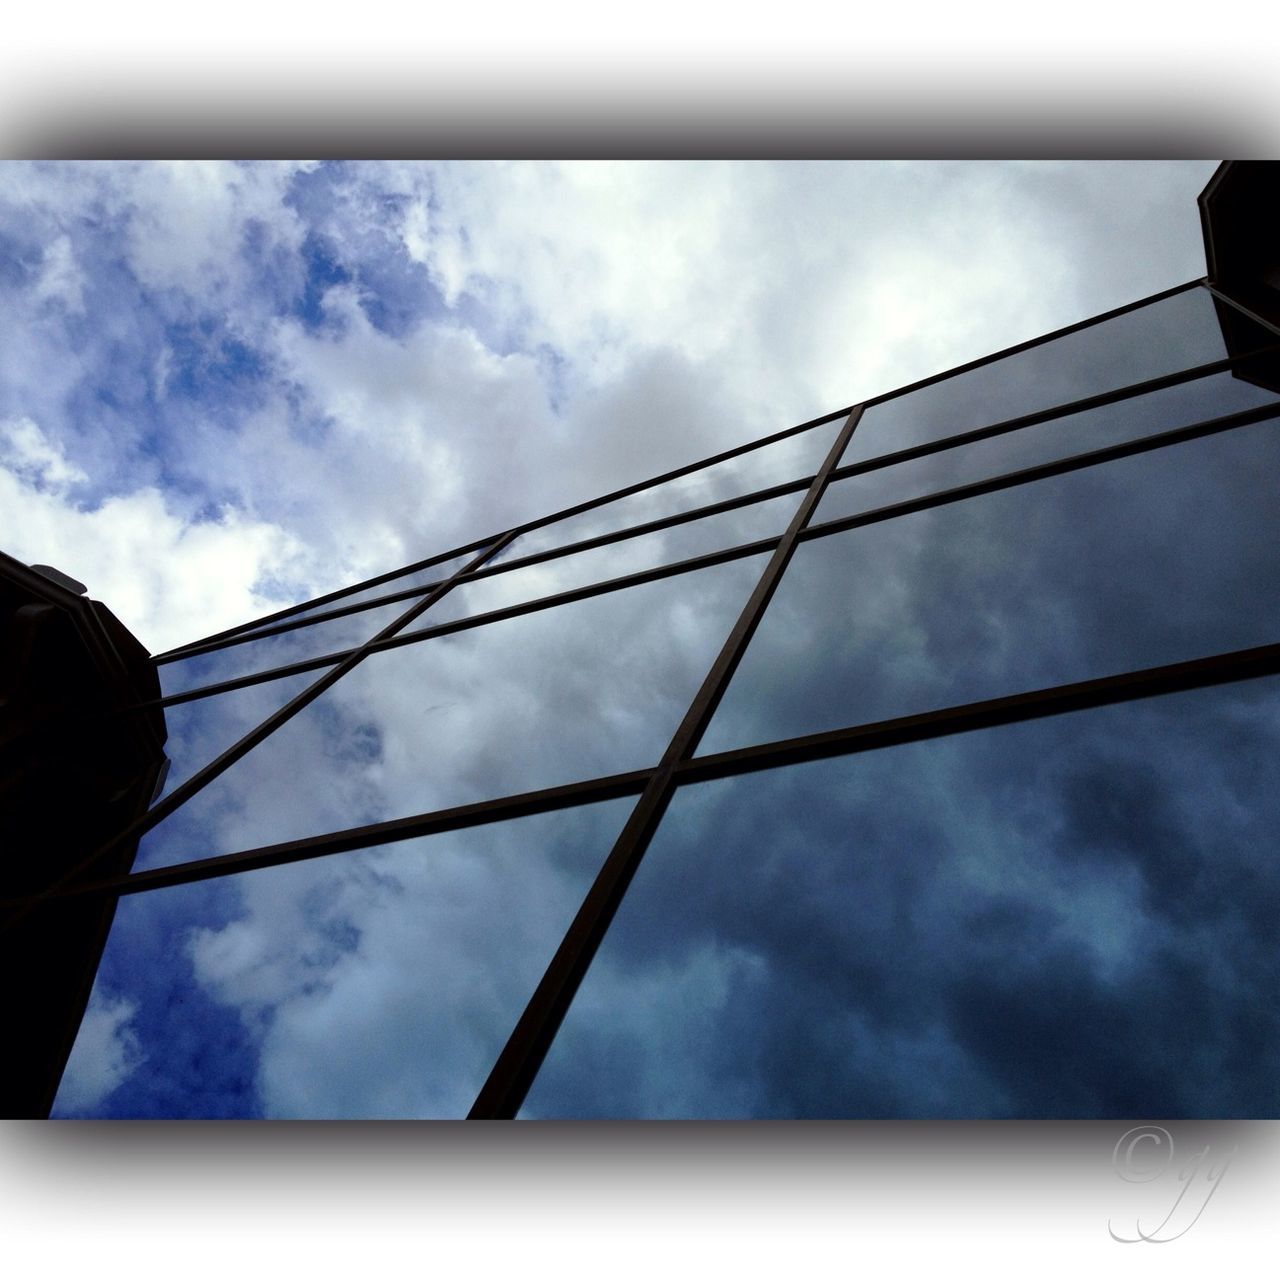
(944, 497)
(864, 467)
(1223, 668)
(376, 834)
(207, 642)
(650, 526)
(1018, 347)
(707, 462)
(1044, 470)
(522, 562)
(528, 527)
(688, 469)
(298, 624)
(639, 578)
(202, 777)
(1100, 400)
(1176, 677)
(1062, 466)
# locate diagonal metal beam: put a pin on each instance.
(1019, 347)
(798, 485)
(908, 506)
(1232, 301)
(696, 466)
(180, 795)
(1046, 470)
(456, 818)
(1176, 677)
(513, 1072)
(529, 526)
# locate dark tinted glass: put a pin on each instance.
(320, 638)
(202, 730)
(1156, 558)
(422, 578)
(1072, 917)
(591, 688)
(681, 542)
(790, 459)
(1205, 398)
(1160, 338)
(369, 985)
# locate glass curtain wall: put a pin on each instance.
(919, 761)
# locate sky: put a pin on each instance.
(225, 388)
(228, 388)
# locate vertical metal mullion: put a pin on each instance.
(504, 1091)
(180, 795)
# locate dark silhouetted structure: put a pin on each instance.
(73, 772)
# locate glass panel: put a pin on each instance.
(667, 546)
(1157, 558)
(1072, 917)
(789, 459)
(554, 697)
(422, 578)
(320, 638)
(201, 731)
(373, 985)
(1179, 406)
(1160, 338)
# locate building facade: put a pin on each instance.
(916, 761)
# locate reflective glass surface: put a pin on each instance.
(591, 688)
(798, 456)
(379, 984)
(1068, 918)
(316, 640)
(1157, 558)
(422, 578)
(1160, 338)
(582, 568)
(202, 730)
(1179, 406)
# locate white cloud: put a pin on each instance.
(403, 1016)
(61, 279)
(167, 578)
(26, 450)
(614, 321)
(106, 1053)
(188, 219)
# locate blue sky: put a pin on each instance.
(225, 388)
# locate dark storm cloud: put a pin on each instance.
(1069, 918)
(1150, 559)
(1028, 922)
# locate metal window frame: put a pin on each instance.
(798, 485)
(1145, 682)
(199, 780)
(689, 468)
(907, 506)
(517, 1064)
(528, 527)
